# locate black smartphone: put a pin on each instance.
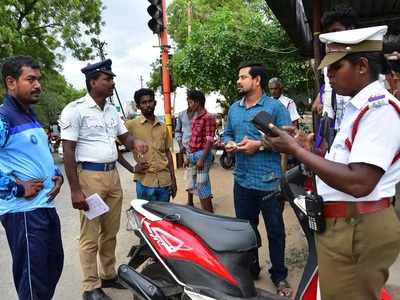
(261, 121)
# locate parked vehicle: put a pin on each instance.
(60, 150)
(194, 262)
(227, 159)
(188, 260)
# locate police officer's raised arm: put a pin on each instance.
(356, 179)
(129, 140)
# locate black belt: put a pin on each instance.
(100, 167)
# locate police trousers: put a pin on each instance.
(98, 236)
(355, 253)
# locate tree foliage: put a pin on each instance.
(41, 29)
(225, 34)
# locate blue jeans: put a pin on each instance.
(36, 248)
(248, 204)
(162, 194)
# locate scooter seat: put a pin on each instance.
(220, 233)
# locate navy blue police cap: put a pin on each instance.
(103, 66)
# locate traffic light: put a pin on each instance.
(155, 11)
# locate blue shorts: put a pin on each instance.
(201, 184)
(162, 194)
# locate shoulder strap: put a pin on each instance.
(349, 141)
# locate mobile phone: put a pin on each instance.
(262, 120)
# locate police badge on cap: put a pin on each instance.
(341, 43)
(103, 66)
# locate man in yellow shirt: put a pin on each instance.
(154, 174)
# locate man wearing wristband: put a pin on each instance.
(258, 170)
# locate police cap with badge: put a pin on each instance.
(103, 67)
(341, 43)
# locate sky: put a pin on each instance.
(130, 45)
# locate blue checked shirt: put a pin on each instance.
(262, 170)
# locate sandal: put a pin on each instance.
(283, 289)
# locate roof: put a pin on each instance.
(296, 17)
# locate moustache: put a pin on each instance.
(36, 93)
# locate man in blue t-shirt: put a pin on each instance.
(257, 169)
(29, 182)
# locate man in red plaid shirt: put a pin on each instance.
(201, 142)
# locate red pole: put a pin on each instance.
(166, 79)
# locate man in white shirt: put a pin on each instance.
(89, 129)
(275, 86)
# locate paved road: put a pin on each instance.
(69, 285)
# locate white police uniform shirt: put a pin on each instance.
(377, 142)
(290, 106)
(95, 130)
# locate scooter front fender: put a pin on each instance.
(139, 284)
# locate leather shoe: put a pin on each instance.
(96, 294)
(112, 283)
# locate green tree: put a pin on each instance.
(41, 29)
(224, 34)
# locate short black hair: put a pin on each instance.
(342, 14)
(197, 96)
(393, 65)
(256, 69)
(90, 77)
(142, 92)
(376, 62)
(13, 66)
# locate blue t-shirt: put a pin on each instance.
(262, 170)
(24, 154)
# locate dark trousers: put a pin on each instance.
(248, 204)
(35, 242)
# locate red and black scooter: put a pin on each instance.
(201, 256)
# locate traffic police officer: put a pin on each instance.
(89, 129)
(357, 178)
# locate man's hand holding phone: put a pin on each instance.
(231, 146)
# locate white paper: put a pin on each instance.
(97, 207)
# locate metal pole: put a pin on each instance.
(100, 47)
(165, 71)
(316, 33)
(316, 48)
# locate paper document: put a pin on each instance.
(97, 207)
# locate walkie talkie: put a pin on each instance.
(314, 209)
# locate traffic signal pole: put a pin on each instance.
(166, 78)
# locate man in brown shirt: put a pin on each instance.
(154, 174)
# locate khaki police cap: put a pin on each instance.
(341, 43)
